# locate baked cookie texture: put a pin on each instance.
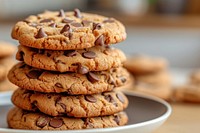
(100, 104)
(50, 30)
(94, 59)
(20, 119)
(68, 72)
(35, 79)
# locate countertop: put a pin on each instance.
(185, 118)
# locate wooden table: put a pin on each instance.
(185, 118)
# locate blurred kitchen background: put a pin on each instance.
(167, 28)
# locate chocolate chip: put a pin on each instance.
(68, 34)
(77, 13)
(123, 79)
(52, 25)
(120, 97)
(111, 80)
(92, 77)
(66, 28)
(88, 122)
(21, 58)
(46, 20)
(116, 119)
(56, 122)
(34, 50)
(59, 85)
(109, 20)
(62, 105)
(42, 121)
(34, 74)
(76, 24)
(109, 98)
(82, 69)
(90, 98)
(86, 23)
(48, 96)
(41, 33)
(67, 20)
(100, 40)
(48, 54)
(70, 53)
(89, 55)
(61, 13)
(97, 26)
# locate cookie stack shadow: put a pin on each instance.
(68, 72)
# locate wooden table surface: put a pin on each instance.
(185, 118)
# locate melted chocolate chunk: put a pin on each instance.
(46, 20)
(82, 69)
(92, 77)
(34, 74)
(70, 53)
(42, 121)
(77, 13)
(86, 23)
(53, 25)
(66, 28)
(100, 41)
(56, 122)
(76, 24)
(67, 20)
(41, 34)
(90, 98)
(120, 97)
(59, 85)
(97, 26)
(116, 119)
(61, 13)
(89, 55)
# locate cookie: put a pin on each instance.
(195, 77)
(74, 106)
(31, 78)
(6, 49)
(94, 59)
(130, 84)
(5, 65)
(20, 119)
(159, 78)
(187, 93)
(161, 91)
(142, 64)
(61, 30)
(5, 85)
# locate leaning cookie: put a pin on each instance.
(74, 106)
(187, 93)
(6, 49)
(142, 64)
(20, 119)
(164, 92)
(159, 78)
(31, 78)
(94, 59)
(61, 30)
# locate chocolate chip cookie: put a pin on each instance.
(20, 119)
(6, 49)
(61, 30)
(142, 64)
(97, 58)
(187, 93)
(35, 79)
(75, 106)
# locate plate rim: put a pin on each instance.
(126, 127)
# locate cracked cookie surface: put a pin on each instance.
(97, 58)
(35, 79)
(102, 104)
(20, 119)
(65, 30)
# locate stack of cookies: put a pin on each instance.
(68, 72)
(151, 75)
(7, 51)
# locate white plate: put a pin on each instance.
(146, 113)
